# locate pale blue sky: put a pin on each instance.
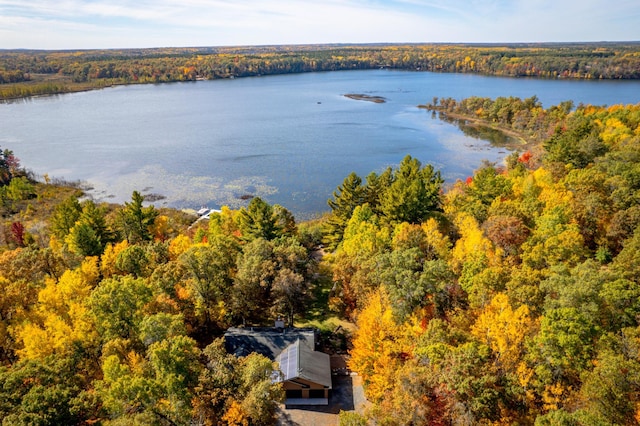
(80, 24)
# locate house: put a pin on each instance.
(267, 341)
(304, 372)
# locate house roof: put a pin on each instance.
(298, 361)
(266, 341)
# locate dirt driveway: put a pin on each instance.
(347, 395)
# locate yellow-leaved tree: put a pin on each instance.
(109, 257)
(364, 235)
(179, 245)
(438, 244)
(63, 321)
(161, 228)
(472, 242)
(504, 330)
(378, 346)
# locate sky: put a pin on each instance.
(99, 24)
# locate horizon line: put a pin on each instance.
(408, 43)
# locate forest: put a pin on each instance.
(511, 297)
(26, 73)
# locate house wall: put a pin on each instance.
(301, 385)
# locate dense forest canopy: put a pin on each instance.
(32, 72)
(519, 302)
(511, 298)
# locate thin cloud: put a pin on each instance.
(146, 23)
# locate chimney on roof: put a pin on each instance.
(279, 324)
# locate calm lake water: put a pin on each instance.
(290, 139)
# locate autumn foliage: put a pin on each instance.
(505, 317)
(509, 298)
(21, 71)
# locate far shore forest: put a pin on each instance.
(511, 298)
(25, 73)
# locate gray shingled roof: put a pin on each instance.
(298, 361)
(266, 341)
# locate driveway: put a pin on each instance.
(346, 395)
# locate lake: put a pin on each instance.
(290, 139)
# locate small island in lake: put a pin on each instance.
(361, 97)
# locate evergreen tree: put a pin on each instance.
(83, 241)
(258, 221)
(90, 234)
(375, 188)
(65, 217)
(285, 222)
(346, 198)
(414, 193)
(135, 220)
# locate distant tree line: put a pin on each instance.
(105, 67)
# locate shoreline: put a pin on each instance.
(474, 122)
